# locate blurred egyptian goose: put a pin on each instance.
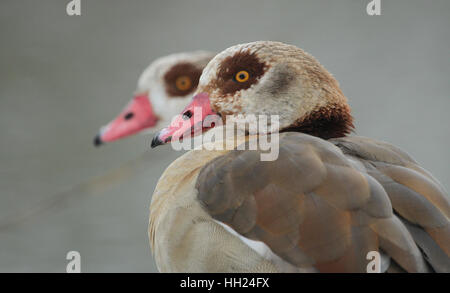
(163, 90)
(322, 206)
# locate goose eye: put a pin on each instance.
(242, 76)
(183, 83)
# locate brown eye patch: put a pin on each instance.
(182, 79)
(232, 75)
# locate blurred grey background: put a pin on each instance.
(62, 77)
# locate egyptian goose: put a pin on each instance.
(163, 89)
(327, 200)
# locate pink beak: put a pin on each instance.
(137, 116)
(189, 122)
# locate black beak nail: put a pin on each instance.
(156, 142)
(97, 140)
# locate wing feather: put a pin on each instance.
(326, 204)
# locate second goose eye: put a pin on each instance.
(242, 76)
(183, 83)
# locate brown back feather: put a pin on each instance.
(314, 208)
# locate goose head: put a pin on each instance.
(267, 78)
(163, 89)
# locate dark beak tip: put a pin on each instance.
(97, 140)
(156, 142)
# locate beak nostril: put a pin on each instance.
(128, 116)
(187, 115)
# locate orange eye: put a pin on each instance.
(242, 76)
(183, 83)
